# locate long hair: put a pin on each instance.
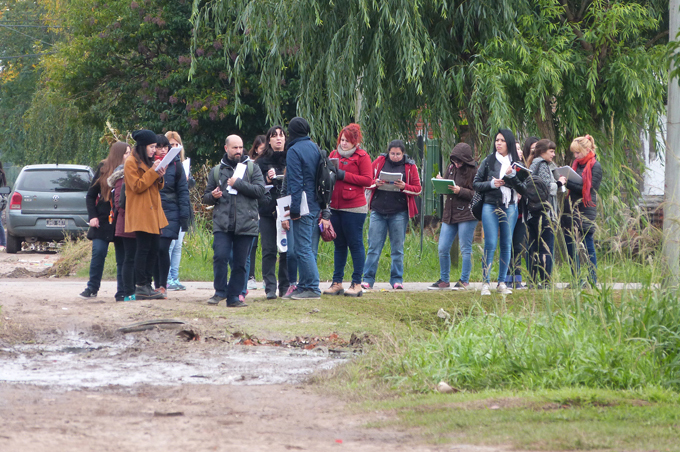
(140, 154)
(172, 135)
(259, 141)
(510, 142)
(526, 149)
(3, 176)
(542, 146)
(586, 143)
(108, 165)
(268, 150)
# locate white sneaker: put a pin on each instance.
(501, 288)
(485, 290)
(252, 284)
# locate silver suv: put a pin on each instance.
(47, 203)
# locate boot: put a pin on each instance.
(354, 290)
(335, 289)
(147, 293)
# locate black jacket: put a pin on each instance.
(574, 210)
(175, 200)
(98, 208)
(276, 160)
(239, 210)
(488, 169)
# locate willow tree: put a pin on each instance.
(549, 67)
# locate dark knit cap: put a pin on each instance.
(144, 137)
(297, 128)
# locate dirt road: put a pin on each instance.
(57, 348)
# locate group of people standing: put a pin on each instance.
(506, 215)
(144, 209)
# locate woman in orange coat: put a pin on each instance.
(143, 211)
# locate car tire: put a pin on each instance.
(13, 244)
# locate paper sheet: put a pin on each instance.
(389, 179)
(169, 157)
(187, 167)
(239, 172)
(283, 207)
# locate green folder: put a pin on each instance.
(441, 186)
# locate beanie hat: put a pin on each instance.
(144, 137)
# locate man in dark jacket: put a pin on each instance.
(235, 219)
(302, 162)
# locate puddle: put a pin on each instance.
(80, 363)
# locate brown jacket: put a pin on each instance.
(143, 211)
(457, 207)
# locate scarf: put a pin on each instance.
(589, 161)
(346, 154)
(505, 191)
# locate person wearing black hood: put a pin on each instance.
(302, 162)
(497, 181)
(457, 217)
(272, 162)
(235, 220)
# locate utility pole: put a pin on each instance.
(671, 211)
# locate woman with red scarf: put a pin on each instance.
(580, 207)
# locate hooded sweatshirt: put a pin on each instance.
(457, 207)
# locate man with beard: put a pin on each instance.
(235, 219)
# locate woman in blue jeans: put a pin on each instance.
(391, 207)
(457, 218)
(497, 181)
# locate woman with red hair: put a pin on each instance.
(580, 207)
(349, 208)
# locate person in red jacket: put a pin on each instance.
(349, 208)
(391, 204)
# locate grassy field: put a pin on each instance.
(537, 370)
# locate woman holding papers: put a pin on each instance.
(349, 208)
(176, 245)
(176, 207)
(496, 180)
(540, 224)
(143, 211)
(392, 203)
(272, 163)
(457, 218)
(580, 207)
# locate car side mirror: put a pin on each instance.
(5, 190)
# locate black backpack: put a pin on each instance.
(538, 194)
(325, 180)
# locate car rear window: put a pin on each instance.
(54, 180)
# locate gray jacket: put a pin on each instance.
(236, 213)
(545, 173)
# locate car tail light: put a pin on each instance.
(15, 202)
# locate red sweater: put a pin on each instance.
(412, 188)
(349, 192)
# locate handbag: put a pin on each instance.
(327, 234)
(91, 233)
(476, 205)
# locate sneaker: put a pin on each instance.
(130, 298)
(252, 284)
(460, 285)
(354, 290)
(147, 293)
(215, 300)
(366, 286)
(271, 296)
(174, 285)
(519, 286)
(439, 285)
(238, 304)
(502, 289)
(87, 293)
(398, 286)
(242, 297)
(162, 291)
(305, 295)
(119, 298)
(335, 289)
(290, 291)
(485, 289)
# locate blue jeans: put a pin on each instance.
(224, 243)
(176, 256)
(349, 231)
(572, 250)
(378, 229)
(100, 249)
(495, 219)
(291, 256)
(303, 229)
(466, 233)
(3, 239)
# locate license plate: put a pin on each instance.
(58, 223)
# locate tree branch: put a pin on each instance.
(655, 38)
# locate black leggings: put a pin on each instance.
(163, 267)
(146, 256)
